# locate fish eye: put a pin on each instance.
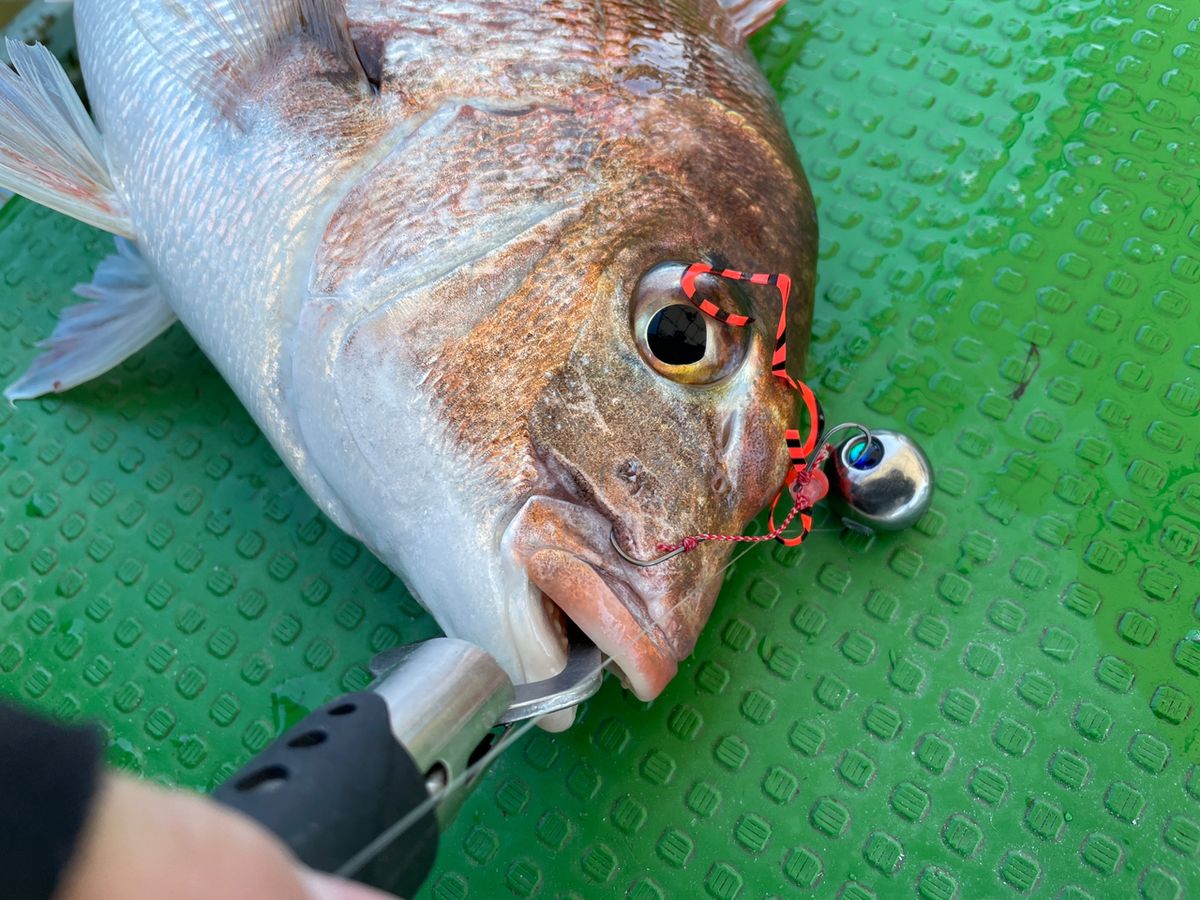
(677, 335)
(675, 338)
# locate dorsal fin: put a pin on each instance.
(747, 16)
(215, 44)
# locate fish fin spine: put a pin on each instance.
(748, 16)
(326, 21)
(214, 44)
(50, 149)
(125, 311)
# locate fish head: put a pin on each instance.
(530, 382)
(661, 421)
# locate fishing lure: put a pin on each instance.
(876, 497)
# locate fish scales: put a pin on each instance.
(428, 244)
(249, 203)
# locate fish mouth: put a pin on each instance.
(564, 549)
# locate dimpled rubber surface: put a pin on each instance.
(998, 703)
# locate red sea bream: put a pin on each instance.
(430, 247)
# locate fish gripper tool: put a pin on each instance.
(364, 785)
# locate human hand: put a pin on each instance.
(144, 843)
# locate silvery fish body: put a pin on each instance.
(422, 242)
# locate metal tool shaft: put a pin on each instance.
(351, 770)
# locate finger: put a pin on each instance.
(326, 887)
(145, 843)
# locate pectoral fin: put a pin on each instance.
(126, 312)
(50, 150)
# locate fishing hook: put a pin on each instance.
(643, 563)
(689, 543)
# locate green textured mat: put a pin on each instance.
(1001, 701)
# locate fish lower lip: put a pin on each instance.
(604, 610)
(563, 547)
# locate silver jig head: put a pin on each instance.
(885, 481)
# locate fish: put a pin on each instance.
(436, 251)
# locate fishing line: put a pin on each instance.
(804, 482)
(734, 559)
(364, 856)
(664, 616)
(394, 831)
(390, 834)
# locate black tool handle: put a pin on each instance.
(333, 784)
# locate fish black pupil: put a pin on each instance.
(677, 335)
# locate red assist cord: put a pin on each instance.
(805, 481)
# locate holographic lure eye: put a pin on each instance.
(676, 338)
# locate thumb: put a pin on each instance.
(326, 887)
(145, 843)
